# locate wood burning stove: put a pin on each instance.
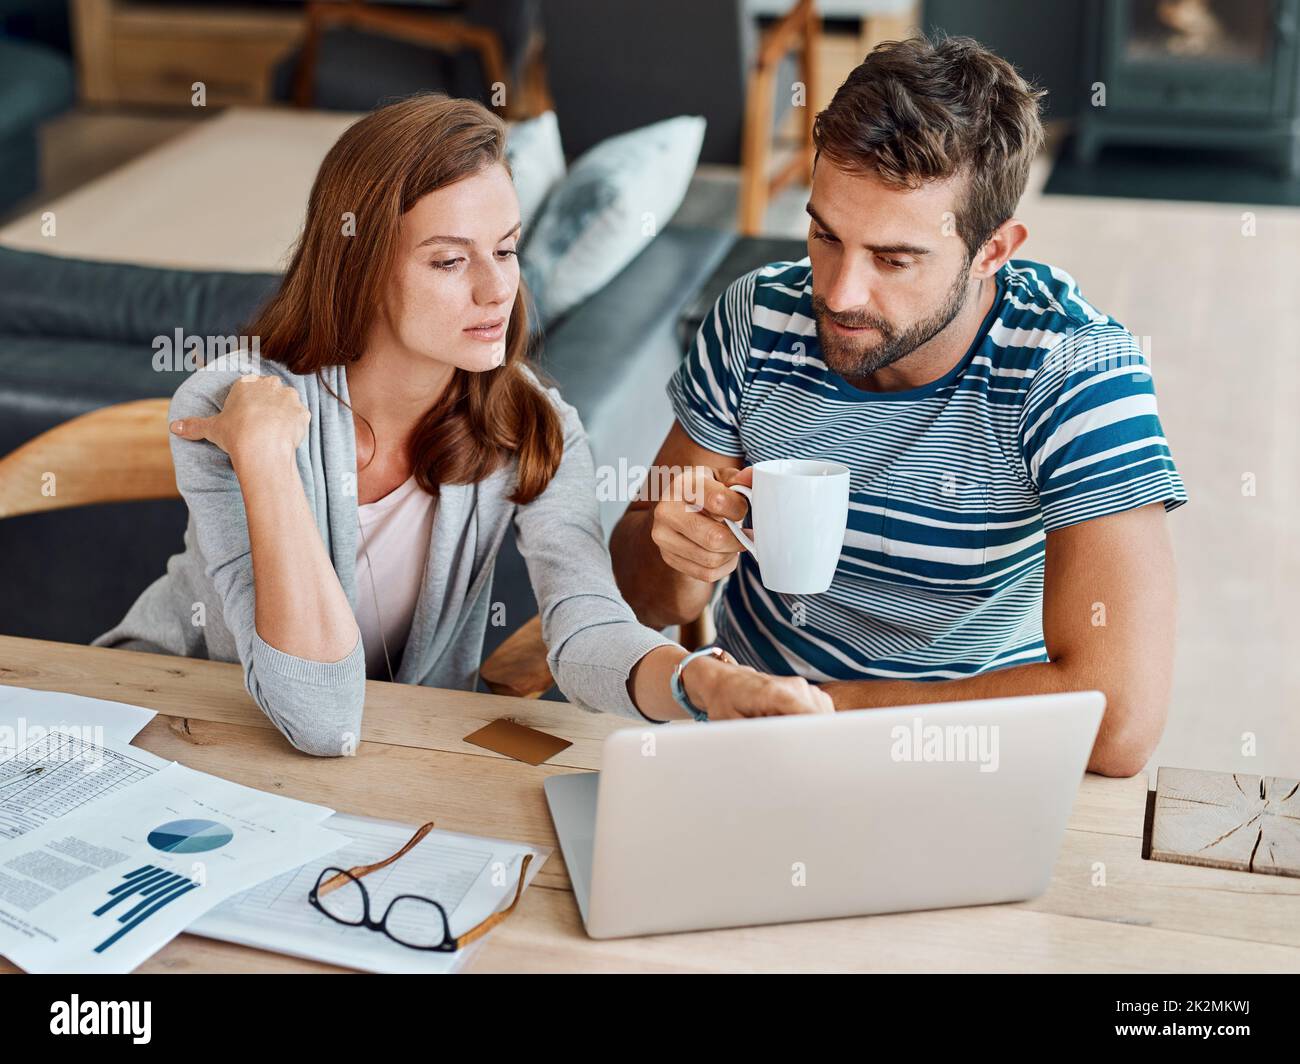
(1194, 73)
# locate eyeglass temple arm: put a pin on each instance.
(482, 929)
(334, 882)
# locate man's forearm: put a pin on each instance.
(1124, 743)
(659, 595)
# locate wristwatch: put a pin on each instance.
(678, 689)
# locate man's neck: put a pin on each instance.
(938, 355)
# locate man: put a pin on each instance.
(1010, 476)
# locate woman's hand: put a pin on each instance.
(262, 418)
(728, 691)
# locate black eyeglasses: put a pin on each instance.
(410, 920)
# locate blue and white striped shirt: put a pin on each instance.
(1049, 419)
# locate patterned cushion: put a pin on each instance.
(536, 161)
(613, 201)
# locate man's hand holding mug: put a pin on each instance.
(800, 513)
(688, 526)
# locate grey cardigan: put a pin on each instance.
(203, 606)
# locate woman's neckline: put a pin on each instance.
(390, 500)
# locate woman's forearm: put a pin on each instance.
(649, 684)
(300, 607)
(721, 688)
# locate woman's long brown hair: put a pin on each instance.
(377, 171)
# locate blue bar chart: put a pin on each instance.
(156, 888)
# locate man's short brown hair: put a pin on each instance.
(920, 110)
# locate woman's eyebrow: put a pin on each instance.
(464, 240)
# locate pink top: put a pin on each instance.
(395, 533)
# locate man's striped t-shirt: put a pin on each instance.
(1049, 419)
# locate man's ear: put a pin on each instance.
(998, 248)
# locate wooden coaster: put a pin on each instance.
(1227, 820)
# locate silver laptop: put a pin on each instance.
(777, 819)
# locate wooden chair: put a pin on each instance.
(420, 26)
(798, 29)
(114, 454)
(122, 453)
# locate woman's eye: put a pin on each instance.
(446, 264)
(508, 253)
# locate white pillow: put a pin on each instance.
(609, 206)
(536, 160)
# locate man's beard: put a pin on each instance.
(855, 358)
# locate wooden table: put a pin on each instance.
(413, 765)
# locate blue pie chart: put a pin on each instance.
(190, 836)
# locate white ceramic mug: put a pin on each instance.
(799, 511)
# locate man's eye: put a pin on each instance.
(826, 238)
(896, 264)
(446, 264)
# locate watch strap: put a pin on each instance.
(678, 688)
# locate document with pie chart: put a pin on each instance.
(103, 888)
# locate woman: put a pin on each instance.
(347, 501)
